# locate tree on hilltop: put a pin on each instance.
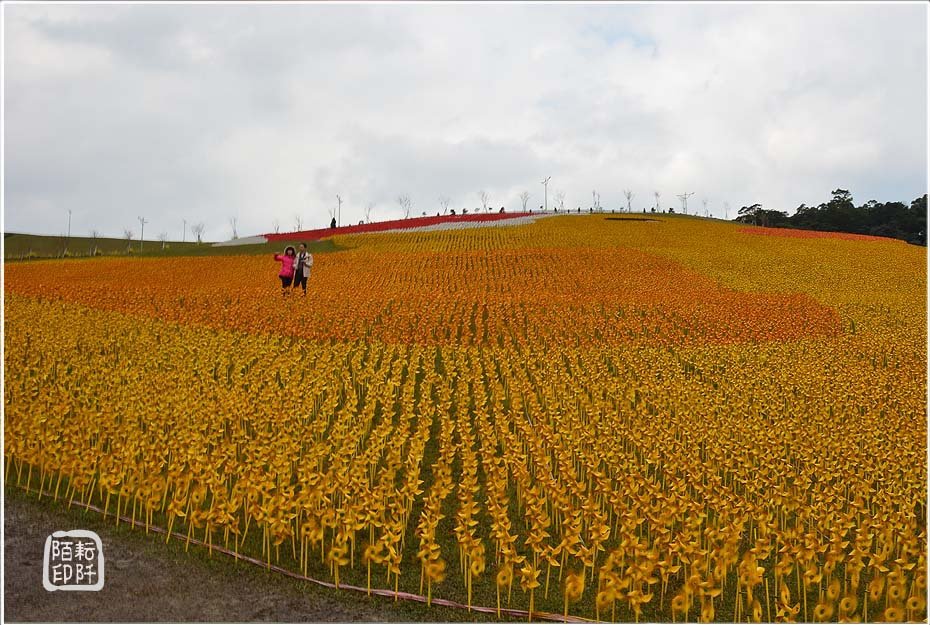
(484, 197)
(758, 216)
(405, 204)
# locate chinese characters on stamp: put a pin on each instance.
(73, 561)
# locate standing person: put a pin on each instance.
(302, 265)
(287, 268)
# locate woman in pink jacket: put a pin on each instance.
(287, 268)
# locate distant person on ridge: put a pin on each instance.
(332, 224)
(302, 265)
(287, 268)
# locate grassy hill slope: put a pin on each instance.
(31, 246)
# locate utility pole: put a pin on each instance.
(684, 201)
(184, 232)
(545, 184)
(657, 194)
(142, 222)
(339, 211)
(704, 202)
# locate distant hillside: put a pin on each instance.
(31, 246)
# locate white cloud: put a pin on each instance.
(202, 112)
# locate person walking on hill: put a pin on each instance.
(302, 265)
(287, 268)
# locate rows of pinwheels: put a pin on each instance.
(494, 455)
(478, 289)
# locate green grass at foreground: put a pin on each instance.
(18, 247)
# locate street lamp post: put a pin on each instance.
(545, 184)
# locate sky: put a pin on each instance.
(264, 113)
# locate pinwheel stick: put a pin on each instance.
(805, 600)
(768, 606)
(468, 583)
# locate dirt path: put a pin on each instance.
(147, 580)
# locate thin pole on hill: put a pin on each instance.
(68, 239)
(142, 222)
(545, 184)
(184, 232)
(339, 211)
(684, 201)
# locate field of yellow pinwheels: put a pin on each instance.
(614, 419)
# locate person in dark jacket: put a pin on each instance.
(302, 265)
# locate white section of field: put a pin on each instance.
(461, 225)
(257, 239)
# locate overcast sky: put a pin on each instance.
(266, 112)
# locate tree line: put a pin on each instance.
(883, 219)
